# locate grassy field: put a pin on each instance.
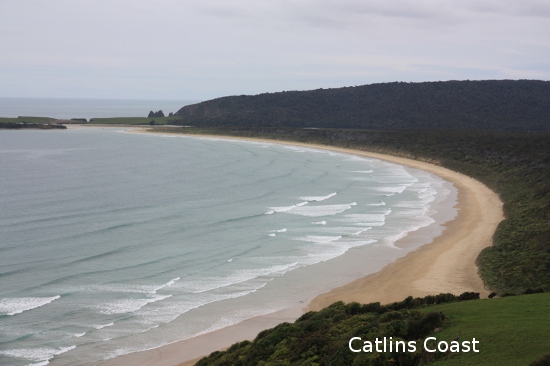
(512, 330)
(25, 119)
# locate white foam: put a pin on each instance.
(355, 243)
(318, 198)
(342, 230)
(133, 288)
(406, 179)
(280, 209)
(332, 250)
(381, 203)
(272, 234)
(17, 305)
(279, 231)
(296, 149)
(416, 212)
(124, 288)
(128, 305)
(78, 335)
(103, 326)
(318, 239)
(390, 189)
(211, 299)
(44, 363)
(359, 232)
(42, 355)
(363, 171)
(236, 277)
(427, 192)
(323, 222)
(357, 158)
(390, 240)
(370, 219)
(318, 211)
(167, 284)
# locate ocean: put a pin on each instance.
(113, 242)
(67, 108)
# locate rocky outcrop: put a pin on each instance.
(159, 113)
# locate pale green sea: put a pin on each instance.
(114, 242)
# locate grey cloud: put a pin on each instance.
(216, 47)
(524, 8)
(534, 8)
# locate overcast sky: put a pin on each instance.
(187, 49)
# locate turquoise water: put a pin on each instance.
(114, 242)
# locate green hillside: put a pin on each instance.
(510, 331)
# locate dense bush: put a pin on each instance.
(322, 337)
(520, 105)
(543, 361)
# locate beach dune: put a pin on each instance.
(447, 264)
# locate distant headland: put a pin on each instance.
(17, 124)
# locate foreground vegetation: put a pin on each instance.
(513, 330)
(515, 165)
(510, 331)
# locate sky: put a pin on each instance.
(203, 49)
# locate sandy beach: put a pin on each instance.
(447, 264)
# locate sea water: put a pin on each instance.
(114, 242)
(67, 108)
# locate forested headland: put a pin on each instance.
(510, 105)
(28, 122)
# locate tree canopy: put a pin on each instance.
(512, 105)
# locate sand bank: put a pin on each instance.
(447, 264)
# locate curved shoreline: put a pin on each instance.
(446, 264)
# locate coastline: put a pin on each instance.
(446, 264)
